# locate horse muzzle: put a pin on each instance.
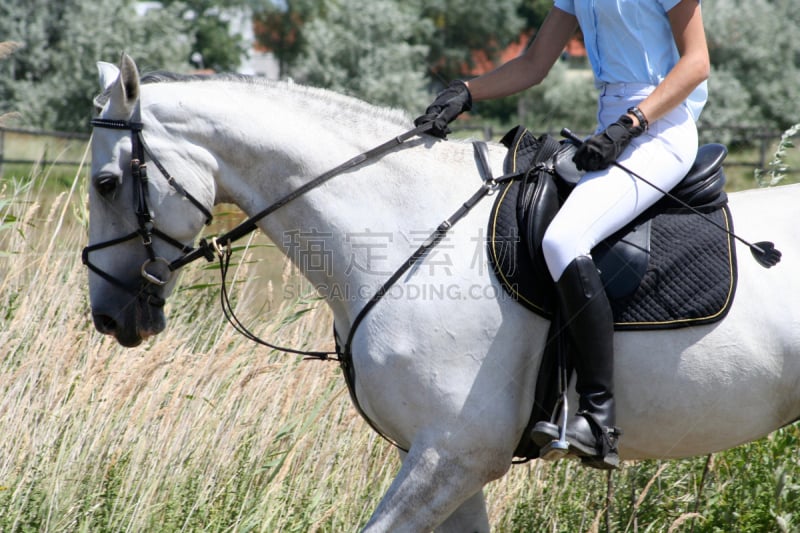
(132, 322)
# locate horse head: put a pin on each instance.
(141, 218)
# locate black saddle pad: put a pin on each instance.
(690, 276)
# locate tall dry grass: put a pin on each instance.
(197, 429)
(200, 430)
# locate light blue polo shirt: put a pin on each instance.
(630, 41)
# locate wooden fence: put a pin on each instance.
(29, 147)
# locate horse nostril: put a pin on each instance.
(105, 324)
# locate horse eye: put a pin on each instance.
(106, 184)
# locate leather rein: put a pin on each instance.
(157, 271)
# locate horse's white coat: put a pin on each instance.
(446, 363)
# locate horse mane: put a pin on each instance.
(166, 76)
(341, 101)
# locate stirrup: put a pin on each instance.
(556, 448)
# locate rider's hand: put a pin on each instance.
(599, 151)
(449, 103)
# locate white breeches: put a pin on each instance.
(604, 201)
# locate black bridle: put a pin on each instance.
(155, 270)
(207, 249)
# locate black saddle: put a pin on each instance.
(668, 268)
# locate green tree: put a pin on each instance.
(461, 27)
(279, 27)
(566, 98)
(755, 78)
(535, 11)
(52, 78)
(385, 51)
(367, 48)
(213, 44)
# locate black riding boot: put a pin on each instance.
(591, 432)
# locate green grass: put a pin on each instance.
(752, 488)
(68, 152)
(200, 430)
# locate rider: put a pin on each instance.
(650, 62)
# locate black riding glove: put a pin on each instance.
(599, 151)
(449, 103)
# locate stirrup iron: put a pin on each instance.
(558, 448)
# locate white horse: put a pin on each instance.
(445, 364)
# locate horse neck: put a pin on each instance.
(269, 140)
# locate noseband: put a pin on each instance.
(156, 271)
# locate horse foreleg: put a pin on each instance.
(438, 490)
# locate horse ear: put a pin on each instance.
(125, 88)
(108, 74)
(129, 74)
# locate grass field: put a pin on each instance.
(200, 430)
(66, 150)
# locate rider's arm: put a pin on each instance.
(532, 66)
(691, 69)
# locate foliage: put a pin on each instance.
(389, 52)
(51, 80)
(6, 49)
(280, 28)
(567, 98)
(465, 26)
(379, 50)
(209, 30)
(728, 109)
(534, 12)
(755, 78)
(749, 489)
(366, 48)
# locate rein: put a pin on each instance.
(343, 353)
(208, 248)
(157, 271)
